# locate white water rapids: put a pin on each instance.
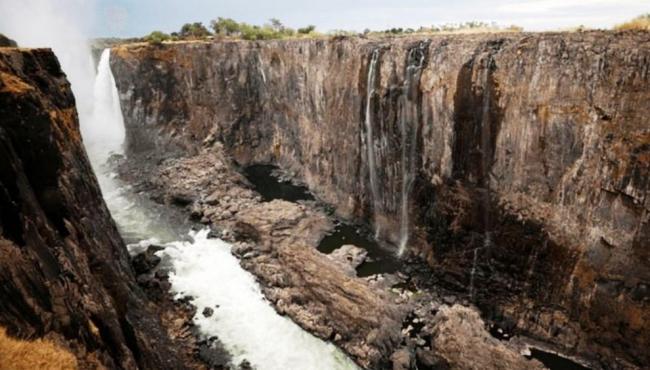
(203, 269)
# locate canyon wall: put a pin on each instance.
(516, 165)
(64, 269)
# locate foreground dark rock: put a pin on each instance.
(527, 153)
(64, 269)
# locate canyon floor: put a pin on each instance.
(402, 319)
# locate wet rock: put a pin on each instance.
(245, 365)
(146, 261)
(213, 354)
(207, 312)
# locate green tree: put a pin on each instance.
(157, 37)
(225, 26)
(194, 30)
(276, 25)
(307, 30)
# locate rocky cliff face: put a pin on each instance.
(64, 269)
(516, 165)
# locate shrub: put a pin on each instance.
(194, 30)
(307, 30)
(225, 26)
(157, 37)
(641, 22)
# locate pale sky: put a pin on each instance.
(139, 17)
(128, 18)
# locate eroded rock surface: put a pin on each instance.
(349, 257)
(459, 338)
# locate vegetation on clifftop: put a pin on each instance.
(223, 28)
(641, 22)
(228, 28)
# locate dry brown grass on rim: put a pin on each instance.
(641, 22)
(16, 354)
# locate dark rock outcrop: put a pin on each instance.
(518, 163)
(64, 269)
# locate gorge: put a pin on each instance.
(508, 175)
(529, 164)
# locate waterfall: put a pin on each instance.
(202, 268)
(104, 133)
(370, 141)
(409, 118)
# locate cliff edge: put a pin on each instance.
(64, 270)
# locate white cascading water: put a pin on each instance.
(105, 135)
(243, 320)
(370, 140)
(204, 269)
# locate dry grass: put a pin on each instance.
(641, 22)
(40, 354)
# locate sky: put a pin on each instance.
(126, 18)
(131, 18)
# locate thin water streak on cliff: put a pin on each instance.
(369, 138)
(409, 127)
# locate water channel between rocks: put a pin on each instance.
(269, 182)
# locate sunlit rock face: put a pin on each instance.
(523, 158)
(64, 269)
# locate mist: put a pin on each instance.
(65, 27)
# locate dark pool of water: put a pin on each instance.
(555, 362)
(380, 259)
(268, 185)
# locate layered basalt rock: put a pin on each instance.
(525, 157)
(64, 269)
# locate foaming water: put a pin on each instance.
(243, 320)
